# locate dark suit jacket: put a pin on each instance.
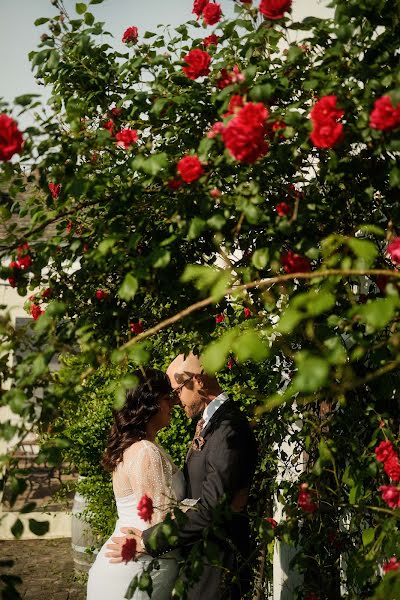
(224, 466)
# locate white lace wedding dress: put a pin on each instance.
(145, 469)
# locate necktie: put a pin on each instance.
(197, 441)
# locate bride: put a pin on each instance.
(139, 466)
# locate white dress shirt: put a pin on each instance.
(211, 408)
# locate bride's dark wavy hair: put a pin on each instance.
(141, 403)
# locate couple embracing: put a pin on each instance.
(218, 472)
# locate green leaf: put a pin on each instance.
(162, 258)
(96, 1)
(39, 527)
(249, 346)
(368, 536)
(377, 313)
(312, 372)
(89, 19)
(17, 529)
(197, 226)
(25, 99)
(150, 166)
(260, 258)
(80, 8)
(145, 583)
(215, 355)
(41, 21)
(394, 179)
(128, 288)
(364, 250)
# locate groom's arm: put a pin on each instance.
(228, 469)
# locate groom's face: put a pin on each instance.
(188, 392)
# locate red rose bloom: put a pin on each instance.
(272, 522)
(128, 550)
(199, 6)
(101, 295)
(126, 137)
(230, 364)
(25, 261)
(219, 318)
(304, 501)
(278, 125)
(46, 293)
(247, 312)
(235, 103)
(384, 451)
(12, 281)
(36, 311)
(212, 13)
(390, 495)
(116, 111)
(136, 327)
(384, 115)
(14, 265)
(175, 184)
(393, 250)
(325, 110)
(211, 40)
(295, 263)
(54, 190)
(215, 193)
(109, 125)
(190, 168)
(274, 9)
(225, 79)
(198, 64)
(392, 468)
(392, 565)
(145, 508)
(326, 135)
(130, 35)
(10, 138)
(244, 136)
(215, 130)
(283, 209)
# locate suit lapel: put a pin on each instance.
(222, 410)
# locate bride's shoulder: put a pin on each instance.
(140, 448)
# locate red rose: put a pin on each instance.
(295, 263)
(215, 193)
(126, 137)
(278, 125)
(392, 468)
(136, 327)
(283, 209)
(101, 295)
(175, 184)
(212, 13)
(304, 501)
(145, 508)
(244, 136)
(116, 111)
(199, 6)
(46, 293)
(12, 281)
(391, 495)
(272, 522)
(247, 312)
(392, 565)
(128, 550)
(210, 40)
(130, 35)
(25, 261)
(225, 79)
(393, 250)
(189, 168)
(326, 110)
(274, 9)
(198, 64)
(235, 103)
(10, 138)
(55, 190)
(215, 130)
(36, 312)
(109, 125)
(22, 250)
(384, 451)
(14, 265)
(384, 115)
(219, 318)
(326, 135)
(230, 364)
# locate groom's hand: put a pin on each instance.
(115, 549)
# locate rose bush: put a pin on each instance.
(193, 243)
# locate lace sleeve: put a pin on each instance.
(149, 472)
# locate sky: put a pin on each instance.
(18, 35)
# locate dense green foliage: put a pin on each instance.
(317, 355)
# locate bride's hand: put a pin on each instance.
(115, 549)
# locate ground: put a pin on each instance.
(46, 568)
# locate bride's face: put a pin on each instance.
(163, 417)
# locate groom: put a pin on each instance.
(219, 466)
